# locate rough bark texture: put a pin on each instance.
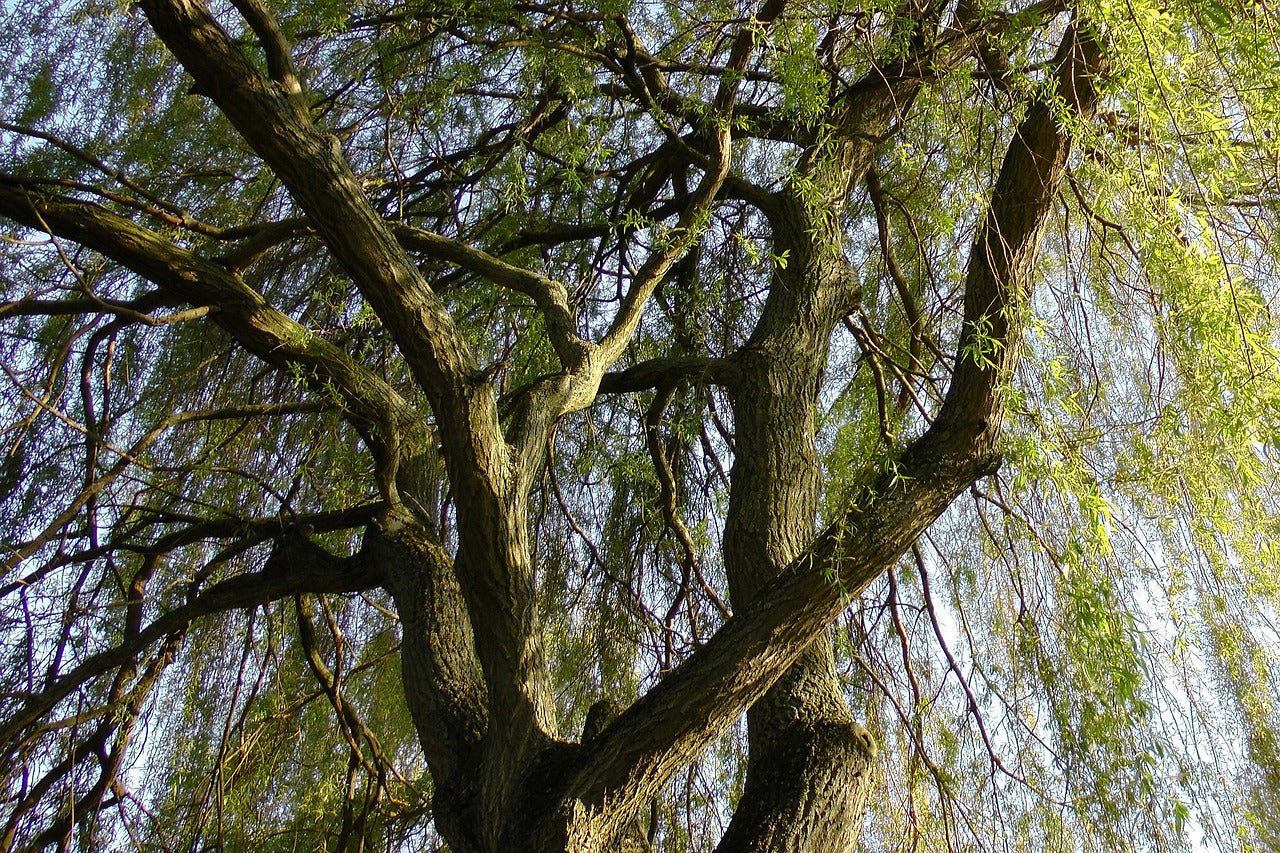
(808, 763)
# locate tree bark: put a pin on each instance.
(809, 771)
(808, 768)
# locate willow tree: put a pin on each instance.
(514, 427)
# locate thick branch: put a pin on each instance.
(649, 374)
(498, 582)
(1002, 260)
(376, 409)
(311, 165)
(273, 42)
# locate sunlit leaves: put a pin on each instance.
(1135, 508)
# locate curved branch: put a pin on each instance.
(549, 295)
(654, 372)
(273, 42)
(716, 170)
(376, 409)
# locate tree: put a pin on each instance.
(442, 423)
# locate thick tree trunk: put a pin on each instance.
(809, 762)
(810, 769)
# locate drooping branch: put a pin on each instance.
(98, 485)
(909, 307)
(391, 428)
(351, 723)
(296, 567)
(376, 409)
(119, 717)
(152, 204)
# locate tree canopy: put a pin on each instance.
(671, 425)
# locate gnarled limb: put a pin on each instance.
(391, 428)
(498, 582)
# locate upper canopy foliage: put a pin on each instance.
(1080, 654)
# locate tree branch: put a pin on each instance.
(273, 42)
(312, 166)
(296, 567)
(716, 169)
(549, 295)
(498, 581)
(654, 372)
(376, 409)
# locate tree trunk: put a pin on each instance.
(810, 770)
(809, 762)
